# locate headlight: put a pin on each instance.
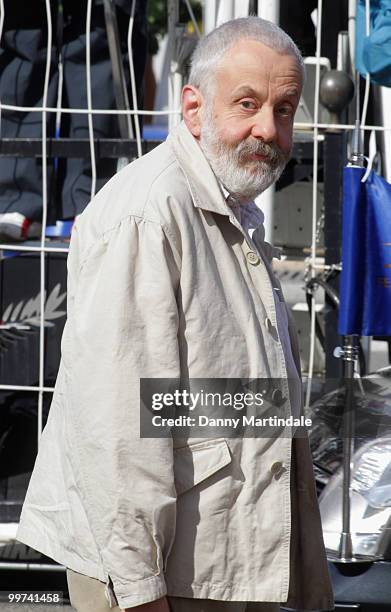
(370, 516)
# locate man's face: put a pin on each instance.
(246, 128)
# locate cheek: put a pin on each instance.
(232, 131)
(285, 141)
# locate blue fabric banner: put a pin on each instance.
(373, 52)
(365, 290)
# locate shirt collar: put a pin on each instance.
(229, 198)
(225, 191)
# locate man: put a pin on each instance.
(165, 282)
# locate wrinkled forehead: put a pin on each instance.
(254, 63)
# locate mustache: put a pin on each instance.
(270, 151)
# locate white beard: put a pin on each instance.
(242, 177)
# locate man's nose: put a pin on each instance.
(264, 126)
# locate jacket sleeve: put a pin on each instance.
(122, 325)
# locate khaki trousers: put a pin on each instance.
(88, 595)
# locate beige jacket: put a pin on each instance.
(163, 282)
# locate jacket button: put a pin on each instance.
(268, 325)
(277, 397)
(276, 467)
(252, 258)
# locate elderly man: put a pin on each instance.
(167, 280)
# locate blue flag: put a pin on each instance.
(365, 290)
(373, 52)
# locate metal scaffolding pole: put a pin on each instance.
(119, 81)
(209, 15)
(270, 10)
(174, 77)
(225, 11)
(217, 12)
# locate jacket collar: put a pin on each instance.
(203, 184)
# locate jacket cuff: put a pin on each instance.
(135, 593)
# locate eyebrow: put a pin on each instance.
(247, 90)
(292, 93)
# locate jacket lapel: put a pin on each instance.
(203, 184)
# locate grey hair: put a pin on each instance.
(212, 47)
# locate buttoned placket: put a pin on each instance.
(261, 279)
(264, 287)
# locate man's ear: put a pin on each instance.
(191, 109)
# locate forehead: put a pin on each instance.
(251, 63)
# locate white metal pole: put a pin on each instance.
(242, 8)
(352, 32)
(265, 201)
(174, 77)
(225, 11)
(216, 12)
(270, 10)
(209, 15)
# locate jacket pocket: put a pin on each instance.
(194, 463)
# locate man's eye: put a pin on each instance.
(248, 104)
(285, 111)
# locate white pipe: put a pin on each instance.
(1, 34)
(225, 11)
(174, 77)
(85, 111)
(368, 77)
(265, 201)
(209, 15)
(133, 80)
(314, 203)
(82, 111)
(44, 219)
(270, 10)
(89, 98)
(47, 567)
(26, 388)
(343, 54)
(367, 17)
(352, 32)
(16, 247)
(242, 8)
(385, 97)
(175, 83)
(1, 18)
(60, 88)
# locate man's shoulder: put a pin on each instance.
(145, 188)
